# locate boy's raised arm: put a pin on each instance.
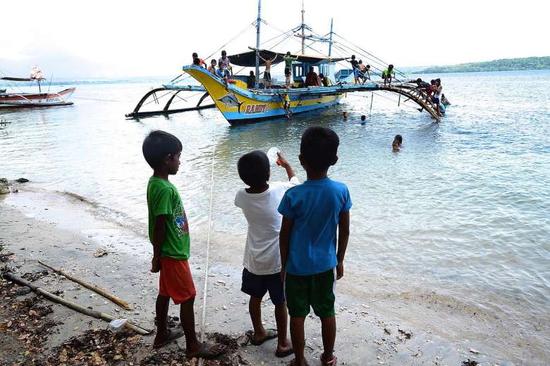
(159, 235)
(284, 243)
(343, 236)
(281, 161)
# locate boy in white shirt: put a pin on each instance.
(262, 259)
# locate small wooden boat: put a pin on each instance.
(32, 100)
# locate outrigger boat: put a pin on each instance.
(239, 103)
(33, 100)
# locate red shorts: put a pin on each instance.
(175, 280)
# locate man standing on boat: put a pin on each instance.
(355, 67)
(224, 65)
(267, 71)
(288, 58)
(388, 74)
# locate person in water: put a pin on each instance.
(262, 257)
(397, 142)
(267, 71)
(169, 234)
(313, 241)
(286, 105)
(363, 120)
(388, 74)
(288, 59)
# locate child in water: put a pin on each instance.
(397, 142)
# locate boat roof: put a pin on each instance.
(248, 59)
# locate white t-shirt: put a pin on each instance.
(261, 253)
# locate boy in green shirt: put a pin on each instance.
(169, 234)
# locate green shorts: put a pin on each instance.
(316, 291)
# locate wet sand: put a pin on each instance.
(377, 322)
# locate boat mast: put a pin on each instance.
(330, 39)
(258, 21)
(303, 29)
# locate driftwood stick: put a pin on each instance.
(94, 288)
(72, 305)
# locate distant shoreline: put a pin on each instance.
(512, 64)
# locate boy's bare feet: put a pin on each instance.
(295, 363)
(284, 350)
(207, 351)
(328, 361)
(162, 339)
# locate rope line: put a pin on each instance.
(207, 267)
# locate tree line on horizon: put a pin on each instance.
(508, 64)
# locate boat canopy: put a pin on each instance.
(248, 59)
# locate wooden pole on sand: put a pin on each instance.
(94, 288)
(90, 312)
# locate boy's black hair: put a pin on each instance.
(398, 138)
(254, 168)
(159, 144)
(363, 117)
(319, 147)
(194, 55)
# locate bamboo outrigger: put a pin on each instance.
(240, 103)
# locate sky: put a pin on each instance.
(119, 38)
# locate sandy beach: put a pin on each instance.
(376, 324)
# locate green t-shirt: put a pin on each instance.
(163, 199)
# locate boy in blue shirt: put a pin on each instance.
(312, 257)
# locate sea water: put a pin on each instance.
(464, 206)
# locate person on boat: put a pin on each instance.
(220, 73)
(311, 78)
(201, 61)
(397, 142)
(355, 67)
(267, 71)
(251, 80)
(197, 62)
(212, 67)
(364, 72)
(288, 59)
(388, 74)
(224, 65)
(325, 81)
(421, 85)
(436, 99)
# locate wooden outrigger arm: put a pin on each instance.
(166, 110)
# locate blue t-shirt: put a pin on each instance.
(315, 207)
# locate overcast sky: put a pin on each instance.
(115, 38)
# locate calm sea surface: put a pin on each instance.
(464, 206)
